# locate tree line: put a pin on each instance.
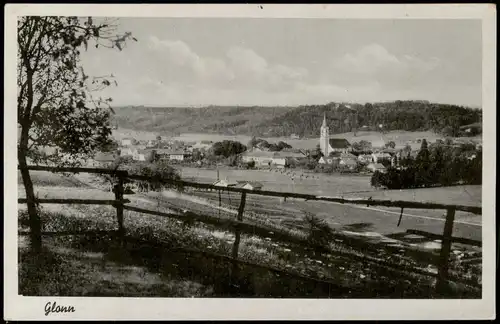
(435, 165)
(397, 115)
(305, 120)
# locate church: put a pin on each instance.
(329, 145)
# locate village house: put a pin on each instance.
(103, 159)
(202, 146)
(471, 129)
(289, 156)
(143, 155)
(225, 183)
(348, 163)
(128, 151)
(250, 185)
(139, 155)
(365, 158)
(378, 157)
(128, 141)
(294, 136)
(166, 154)
(348, 156)
(152, 143)
(261, 158)
(177, 156)
(376, 167)
(325, 160)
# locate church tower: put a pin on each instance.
(324, 140)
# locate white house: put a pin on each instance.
(102, 159)
(142, 155)
(225, 183)
(177, 156)
(165, 154)
(376, 167)
(129, 151)
(151, 143)
(260, 158)
(380, 156)
(250, 185)
(127, 141)
(349, 163)
(325, 160)
(348, 156)
(365, 158)
(202, 146)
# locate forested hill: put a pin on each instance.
(212, 119)
(302, 120)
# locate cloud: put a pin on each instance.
(375, 62)
(172, 72)
(240, 67)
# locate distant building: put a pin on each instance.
(365, 158)
(349, 163)
(376, 167)
(348, 156)
(152, 143)
(144, 155)
(202, 146)
(261, 158)
(289, 157)
(250, 185)
(177, 156)
(328, 160)
(471, 129)
(381, 156)
(328, 144)
(128, 141)
(294, 136)
(129, 151)
(164, 154)
(102, 158)
(225, 183)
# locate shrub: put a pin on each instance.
(319, 232)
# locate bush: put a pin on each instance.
(440, 167)
(251, 165)
(319, 232)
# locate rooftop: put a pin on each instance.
(339, 143)
(377, 165)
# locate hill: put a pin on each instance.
(213, 119)
(303, 120)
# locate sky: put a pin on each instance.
(290, 61)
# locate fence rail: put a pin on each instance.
(239, 226)
(341, 200)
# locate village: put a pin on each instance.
(331, 155)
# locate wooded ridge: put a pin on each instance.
(303, 121)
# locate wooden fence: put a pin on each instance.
(239, 226)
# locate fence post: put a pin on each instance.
(442, 280)
(236, 244)
(119, 191)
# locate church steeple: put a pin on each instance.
(324, 140)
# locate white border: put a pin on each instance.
(30, 308)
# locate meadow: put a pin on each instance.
(154, 261)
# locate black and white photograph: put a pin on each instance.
(211, 158)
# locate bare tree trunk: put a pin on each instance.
(34, 218)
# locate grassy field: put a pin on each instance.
(336, 185)
(148, 266)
